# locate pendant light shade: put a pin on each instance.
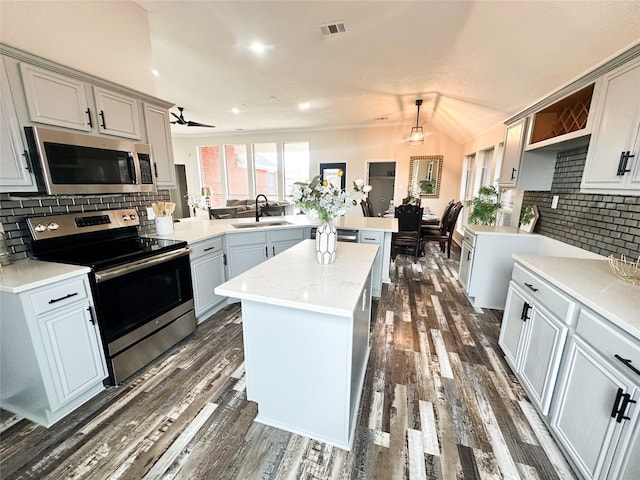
(417, 134)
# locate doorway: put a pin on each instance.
(382, 178)
(178, 195)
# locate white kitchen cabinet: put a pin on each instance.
(55, 99)
(613, 159)
(208, 270)
(63, 101)
(512, 153)
(533, 341)
(51, 351)
(117, 114)
(246, 250)
(375, 238)
(16, 173)
(158, 128)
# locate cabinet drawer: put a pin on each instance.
(469, 238)
(608, 340)
(59, 295)
(208, 247)
(544, 293)
(368, 236)
(288, 234)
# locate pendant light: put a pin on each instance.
(417, 134)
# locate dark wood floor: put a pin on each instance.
(439, 402)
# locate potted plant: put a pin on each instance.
(485, 206)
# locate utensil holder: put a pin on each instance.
(164, 225)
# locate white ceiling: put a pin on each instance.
(473, 63)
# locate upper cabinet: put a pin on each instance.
(156, 120)
(513, 146)
(15, 168)
(117, 114)
(62, 101)
(613, 159)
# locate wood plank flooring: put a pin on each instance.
(439, 402)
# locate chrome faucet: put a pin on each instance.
(258, 212)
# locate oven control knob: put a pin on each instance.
(126, 218)
(133, 216)
(40, 228)
(53, 226)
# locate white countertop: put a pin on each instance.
(591, 282)
(295, 279)
(194, 230)
(496, 229)
(26, 274)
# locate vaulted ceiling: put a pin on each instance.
(474, 63)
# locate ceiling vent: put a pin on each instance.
(335, 28)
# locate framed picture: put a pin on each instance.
(529, 217)
(334, 173)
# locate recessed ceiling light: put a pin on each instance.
(258, 47)
(235, 110)
(304, 106)
(155, 73)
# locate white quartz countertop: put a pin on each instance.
(196, 230)
(26, 274)
(489, 229)
(591, 282)
(295, 279)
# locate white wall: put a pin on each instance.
(108, 39)
(355, 146)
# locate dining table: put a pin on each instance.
(428, 219)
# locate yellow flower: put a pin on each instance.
(340, 173)
(325, 183)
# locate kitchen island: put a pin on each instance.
(306, 338)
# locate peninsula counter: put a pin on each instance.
(306, 338)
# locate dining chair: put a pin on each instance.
(443, 235)
(365, 208)
(370, 207)
(407, 239)
(434, 229)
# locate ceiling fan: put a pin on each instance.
(181, 121)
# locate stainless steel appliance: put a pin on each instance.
(141, 286)
(77, 163)
(344, 235)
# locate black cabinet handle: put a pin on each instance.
(104, 124)
(224, 259)
(210, 248)
(468, 255)
(91, 319)
(54, 300)
(620, 404)
(513, 174)
(266, 252)
(88, 112)
(27, 157)
(273, 249)
(531, 287)
(628, 363)
(620, 162)
(524, 316)
(627, 156)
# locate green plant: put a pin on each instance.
(485, 206)
(526, 215)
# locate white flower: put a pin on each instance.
(321, 201)
(366, 188)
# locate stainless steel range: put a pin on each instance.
(141, 286)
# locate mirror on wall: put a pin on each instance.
(426, 171)
(334, 173)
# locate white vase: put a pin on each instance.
(326, 243)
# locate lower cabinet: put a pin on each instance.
(208, 270)
(51, 351)
(376, 238)
(246, 250)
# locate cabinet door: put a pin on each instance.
(159, 137)
(541, 354)
(583, 405)
(513, 145)
(466, 262)
(615, 131)
(374, 238)
(281, 246)
(15, 170)
(244, 257)
(73, 350)
(117, 115)
(517, 309)
(208, 273)
(626, 463)
(55, 99)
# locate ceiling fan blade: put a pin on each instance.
(196, 124)
(180, 119)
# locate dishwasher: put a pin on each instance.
(344, 235)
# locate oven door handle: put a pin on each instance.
(115, 272)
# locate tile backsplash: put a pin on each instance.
(14, 210)
(603, 224)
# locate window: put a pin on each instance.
(296, 165)
(210, 173)
(265, 160)
(235, 158)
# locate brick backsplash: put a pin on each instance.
(602, 224)
(14, 211)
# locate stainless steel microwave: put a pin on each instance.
(77, 163)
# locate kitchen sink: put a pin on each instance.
(274, 223)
